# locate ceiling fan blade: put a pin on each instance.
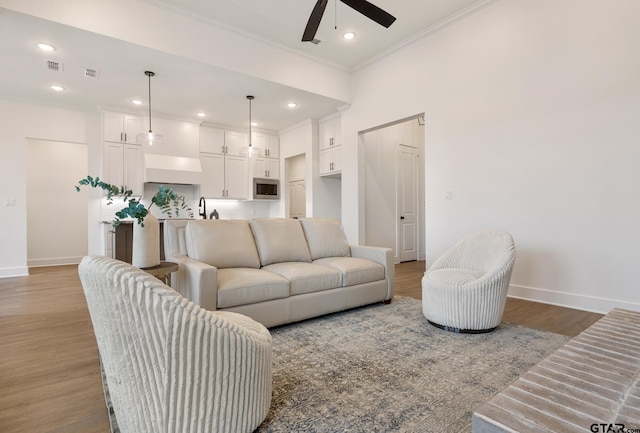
(314, 21)
(371, 11)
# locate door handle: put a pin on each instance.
(401, 217)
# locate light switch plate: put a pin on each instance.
(9, 202)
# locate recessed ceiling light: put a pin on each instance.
(45, 47)
(349, 35)
(202, 114)
(292, 105)
(136, 101)
(57, 88)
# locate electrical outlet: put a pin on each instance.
(10, 202)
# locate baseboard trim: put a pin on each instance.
(569, 300)
(56, 261)
(14, 272)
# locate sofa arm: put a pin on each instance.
(197, 281)
(384, 256)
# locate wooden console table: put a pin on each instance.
(162, 271)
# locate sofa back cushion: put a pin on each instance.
(325, 238)
(222, 243)
(280, 240)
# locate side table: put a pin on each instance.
(162, 271)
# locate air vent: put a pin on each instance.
(90, 73)
(316, 41)
(54, 66)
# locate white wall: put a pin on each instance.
(21, 121)
(532, 123)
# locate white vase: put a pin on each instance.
(146, 243)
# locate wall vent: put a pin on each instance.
(54, 66)
(90, 73)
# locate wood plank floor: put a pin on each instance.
(49, 373)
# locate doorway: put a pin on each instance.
(57, 215)
(296, 188)
(394, 188)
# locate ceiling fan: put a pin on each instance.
(367, 9)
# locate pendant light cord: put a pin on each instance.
(250, 98)
(149, 74)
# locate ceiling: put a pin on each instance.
(182, 87)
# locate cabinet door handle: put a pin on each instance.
(125, 136)
(222, 148)
(121, 137)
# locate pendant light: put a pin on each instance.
(251, 149)
(150, 137)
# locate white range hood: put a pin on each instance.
(172, 169)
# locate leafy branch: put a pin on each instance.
(165, 199)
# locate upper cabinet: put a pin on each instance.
(330, 145)
(267, 165)
(330, 133)
(211, 140)
(272, 146)
(234, 141)
(123, 165)
(121, 128)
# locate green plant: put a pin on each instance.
(165, 199)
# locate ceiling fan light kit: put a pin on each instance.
(149, 138)
(367, 9)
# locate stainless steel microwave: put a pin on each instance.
(266, 189)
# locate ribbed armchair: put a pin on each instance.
(171, 366)
(465, 290)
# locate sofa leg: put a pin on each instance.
(387, 301)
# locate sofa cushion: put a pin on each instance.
(307, 277)
(354, 270)
(325, 238)
(222, 243)
(243, 286)
(280, 240)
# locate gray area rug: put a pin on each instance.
(383, 368)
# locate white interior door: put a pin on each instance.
(297, 199)
(407, 211)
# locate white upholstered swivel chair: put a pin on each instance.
(171, 366)
(465, 290)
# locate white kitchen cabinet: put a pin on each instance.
(236, 171)
(212, 184)
(211, 140)
(263, 167)
(123, 165)
(330, 161)
(121, 128)
(330, 147)
(270, 144)
(224, 176)
(234, 141)
(330, 134)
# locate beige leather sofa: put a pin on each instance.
(276, 270)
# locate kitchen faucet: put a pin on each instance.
(202, 205)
